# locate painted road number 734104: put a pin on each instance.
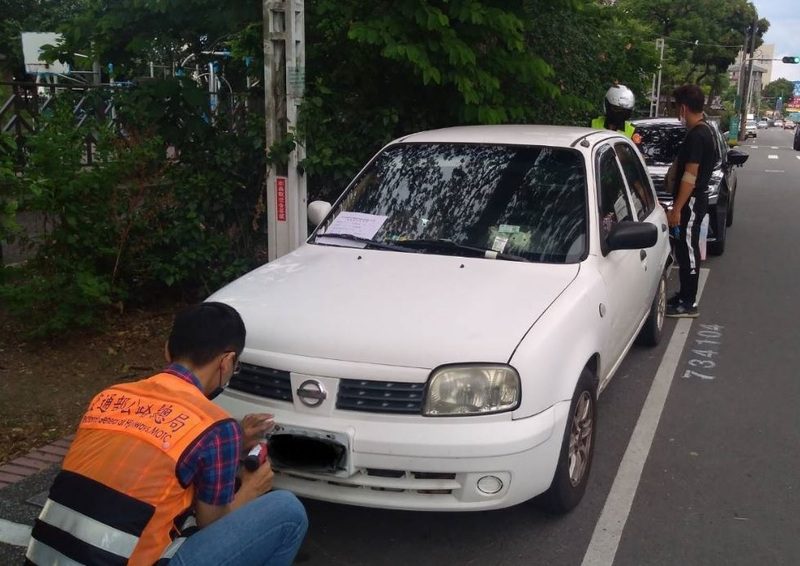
(708, 338)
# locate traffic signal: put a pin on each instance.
(792, 60)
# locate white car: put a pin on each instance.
(440, 341)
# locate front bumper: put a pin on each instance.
(425, 464)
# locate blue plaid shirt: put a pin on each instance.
(212, 463)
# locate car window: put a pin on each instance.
(613, 199)
(638, 181)
(529, 201)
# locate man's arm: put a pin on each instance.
(685, 189)
(687, 184)
(253, 485)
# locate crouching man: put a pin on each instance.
(150, 477)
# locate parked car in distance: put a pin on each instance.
(788, 125)
(778, 123)
(750, 129)
(762, 124)
(659, 140)
(440, 340)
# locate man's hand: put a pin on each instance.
(673, 217)
(257, 482)
(254, 428)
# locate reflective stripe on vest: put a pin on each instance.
(118, 496)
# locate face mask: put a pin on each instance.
(214, 394)
(219, 389)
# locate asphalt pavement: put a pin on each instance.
(720, 483)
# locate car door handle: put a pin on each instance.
(642, 254)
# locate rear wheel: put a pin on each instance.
(577, 450)
(650, 334)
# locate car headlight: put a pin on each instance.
(472, 390)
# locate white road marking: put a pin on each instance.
(754, 146)
(774, 147)
(774, 171)
(608, 531)
(797, 156)
(14, 533)
(773, 156)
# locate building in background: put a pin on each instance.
(759, 82)
(764, 56)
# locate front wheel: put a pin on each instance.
(577, 450)
(650, 334)
(717, 247)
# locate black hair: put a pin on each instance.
(691, 96)
(202, 332)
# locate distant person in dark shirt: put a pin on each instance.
(693, 168)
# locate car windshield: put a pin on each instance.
(659, 144)
(521, 202)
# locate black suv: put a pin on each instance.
(659, 139)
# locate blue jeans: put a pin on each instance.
(268, 531)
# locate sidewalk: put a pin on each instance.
(34, 461)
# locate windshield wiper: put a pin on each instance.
(367, 241)
(450, 245)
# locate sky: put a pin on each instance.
(784, 33)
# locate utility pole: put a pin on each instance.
(746, 87)
(655, 98)
(284, 81)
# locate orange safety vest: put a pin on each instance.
(118, 499)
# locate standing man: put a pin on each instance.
(150, 477)
(617, 109)
(693, 168)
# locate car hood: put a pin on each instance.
(393, 308)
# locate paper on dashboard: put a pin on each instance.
(354, 223)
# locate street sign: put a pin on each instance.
(733, 132)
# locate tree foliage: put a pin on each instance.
(590, 47)
(29, 15)
(780, 88)
(703, 37)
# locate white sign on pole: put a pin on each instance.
(32, 43)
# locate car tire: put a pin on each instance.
(650, 334)
(729, 216)
(577, 450)
(717, 247)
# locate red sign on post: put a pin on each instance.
(280, 197)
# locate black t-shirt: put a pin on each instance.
(697, 147)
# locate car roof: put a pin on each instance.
(516, 134)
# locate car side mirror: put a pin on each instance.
(737, 157)
(317, 211)
(632, 236)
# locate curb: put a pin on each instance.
(34, 461)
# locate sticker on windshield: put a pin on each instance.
(508, 229)
(500, 243)
(356, 224)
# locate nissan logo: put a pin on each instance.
(311, 393)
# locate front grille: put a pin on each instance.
(386, 481)
(265, 382)
(380, 396)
